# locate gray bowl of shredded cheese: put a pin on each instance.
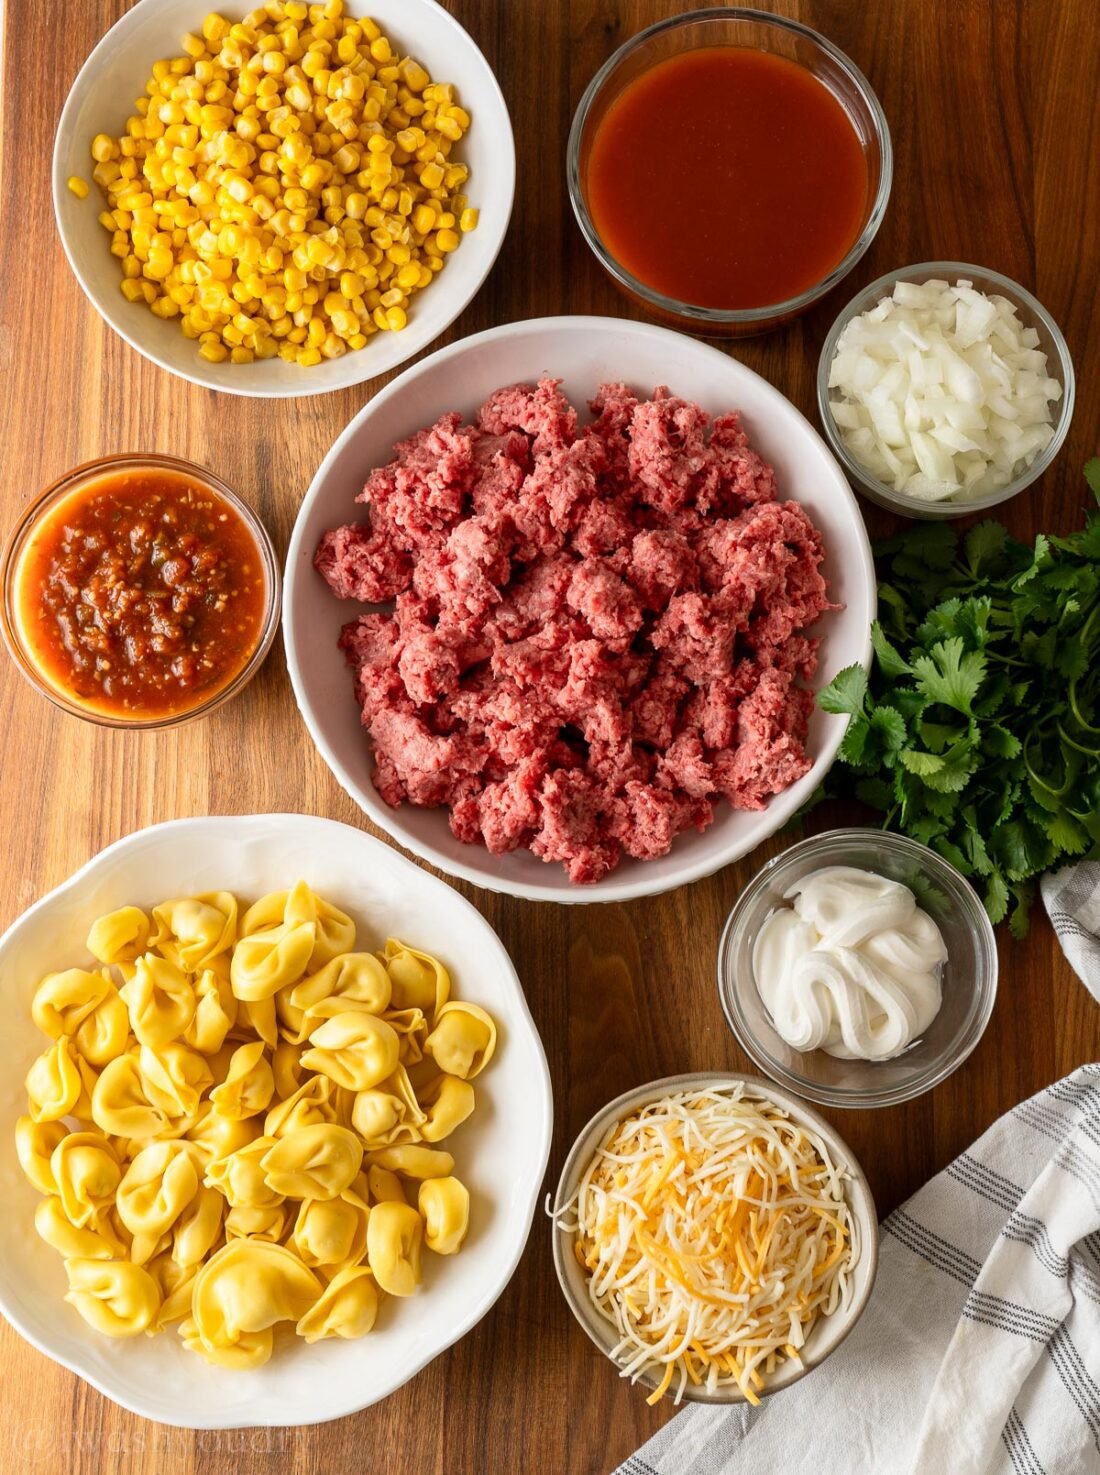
(714, 1237)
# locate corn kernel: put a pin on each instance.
(79, 187)
(416, 78)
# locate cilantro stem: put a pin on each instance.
(1037, 778)
(1080, 748)
(1076, 710)
(1085, 634)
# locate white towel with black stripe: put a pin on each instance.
(1072, 897)
(979, 1352)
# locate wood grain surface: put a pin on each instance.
(994, 110)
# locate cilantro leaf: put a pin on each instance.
(996, 691)
(889, 724)
(974, 845)
(1066, 834)
(1001, 743)
(890, 661)
(929, 896)
(938, 735)
(927, 828)
(1019, 922)
(1038, 649)
(1092, 476)
(928, 545)
(950, 674)
(952, 853)
(939, 623)
(846, 692)
(853, 745)
(996, 898)
(919, 763)
(1072, 660)
(1007, 798)
(985, 546)
(1040, 555)
(876, 792)
(1085, 544)
(944, 805)
(910, 703)
(958, 764)
(973, 620)
(1020, 848)
(1091, 823)
(893, 610)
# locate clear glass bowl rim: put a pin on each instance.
(730, 316)
(985, 986)
(866, 298)
(54, 493)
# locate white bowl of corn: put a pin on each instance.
(288, 200)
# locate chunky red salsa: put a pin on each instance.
(727, 178)
(142, 594)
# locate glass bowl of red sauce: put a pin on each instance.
(728, 168)
(139, 591)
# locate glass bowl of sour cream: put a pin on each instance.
(858, 968)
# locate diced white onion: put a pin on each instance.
(941, 392)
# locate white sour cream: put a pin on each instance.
(853, 968)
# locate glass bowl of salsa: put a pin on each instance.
(728, 168)
(139, 591)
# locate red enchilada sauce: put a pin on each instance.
(142, 594)
(727, 178)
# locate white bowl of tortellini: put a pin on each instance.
(264, 1079)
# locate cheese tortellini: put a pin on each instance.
(234, 1124)
(240, 1294)
(355, 1050)
(444, 1205)
(346, 1307)
(114, 1296)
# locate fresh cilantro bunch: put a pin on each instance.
(978, 732)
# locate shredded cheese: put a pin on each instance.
(714, 1231)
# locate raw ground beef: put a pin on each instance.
(597, 632)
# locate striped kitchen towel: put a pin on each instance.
(979, 1353)
(1072, 897)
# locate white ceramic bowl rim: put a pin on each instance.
(857, 561)
(432, 314)
(860, 1202)
(537, 1084)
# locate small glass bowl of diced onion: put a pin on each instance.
(944, 389)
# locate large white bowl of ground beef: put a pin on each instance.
(557, 602)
